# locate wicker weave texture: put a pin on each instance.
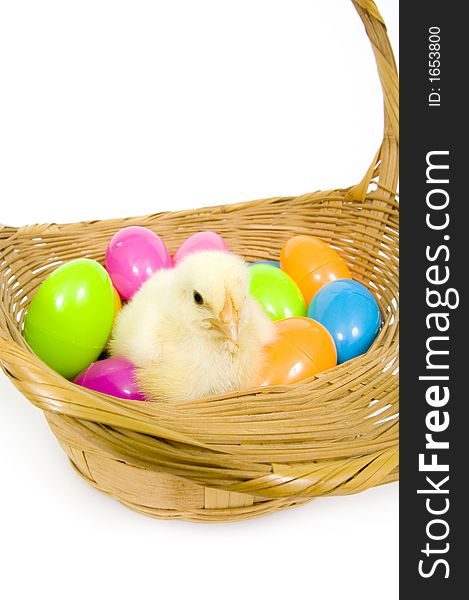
(237, 455)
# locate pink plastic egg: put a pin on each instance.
(132, 256)
(204, 240)
(114, 376)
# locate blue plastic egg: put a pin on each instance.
(350, 313)
(272, 263)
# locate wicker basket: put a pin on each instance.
(240, 455)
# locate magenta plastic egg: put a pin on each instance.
(133, 255)
(203, 240)
(114, 376)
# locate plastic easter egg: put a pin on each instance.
(350, 313)
(278, 295)
(70, 317)
(312, 263)
(114, 376)
(303, 348)
(117, 302)
(133, 255)
(272, 263)
(203, 240)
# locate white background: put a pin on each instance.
(112, 109)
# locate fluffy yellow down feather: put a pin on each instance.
(194, 330)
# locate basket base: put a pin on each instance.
(154, 493)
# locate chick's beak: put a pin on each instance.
(228, 321)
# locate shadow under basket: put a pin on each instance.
(238, 455)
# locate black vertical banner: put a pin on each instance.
(434, 380)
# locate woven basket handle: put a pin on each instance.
(385, 165)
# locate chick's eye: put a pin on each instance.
(198, 298)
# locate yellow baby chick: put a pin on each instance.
(194, 330)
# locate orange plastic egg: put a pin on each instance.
(311, 263)
(117, 302)
(302, 349)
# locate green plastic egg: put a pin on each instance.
(276, 292)
(70, 316)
